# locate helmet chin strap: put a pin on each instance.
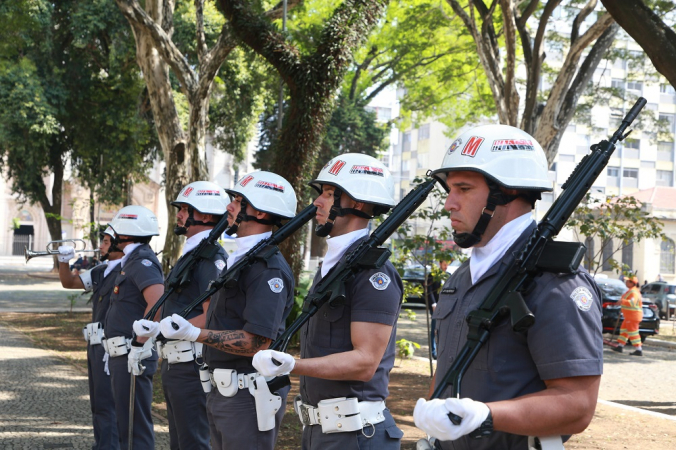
(242, 216)
(336, 211)
(190, 221)
(495, 198)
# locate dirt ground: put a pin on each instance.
(612, 428)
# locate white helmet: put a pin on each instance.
(204, 196)
(109, 231)
(362, 177)
(506, 155)
(267, 192)
(136, 221)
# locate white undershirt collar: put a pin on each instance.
(244, 244)
(128, 250)
(483, 258)
(194, 241)
(110, 266)
(337, 247)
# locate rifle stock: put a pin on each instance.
(506, 297)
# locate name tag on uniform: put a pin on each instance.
(448, 291)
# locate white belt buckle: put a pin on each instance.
(339, 415)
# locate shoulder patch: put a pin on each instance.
(583, 298)
(146, 262)
(380, 281)
(276, 285)
(219, 263)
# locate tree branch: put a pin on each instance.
(579, 18)
(656, 38)
(143, 23)
(199, 29)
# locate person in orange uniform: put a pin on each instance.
(632, 309)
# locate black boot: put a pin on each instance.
(618, 349)
(637, 353)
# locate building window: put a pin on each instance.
(667, 89)
(635, 86)
(613, 171)
(424, 132)
(607, 255)
(628, 255)
(616, 116)
(667, 256)
(617, 83)
(406, 142)
(668, 120)
(665, 151)
(632, 143)
(566, 158)
(630, 178)
(663, 178)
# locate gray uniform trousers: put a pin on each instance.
(233, 422)
(144, 435)
(101, 401)
(186, 406)
(386, 436)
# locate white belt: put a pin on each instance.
(117, 346)
(228, 381)
(93, 333)
(179, 351)
(340, 415)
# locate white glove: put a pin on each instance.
(262, 362)
(146, 328)
(185, 331)
(432, 417)
(138, 354)
(66, 253)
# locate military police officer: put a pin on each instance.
(100, 281)
(245, 318)
(543, 382)
(200, 207)
(137, 288)
(347, 350)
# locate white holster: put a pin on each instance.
(340, 415)
(117, 346)
(545, 443)
(179, 351)
(228, 382)
(93, 333)
(205, 378)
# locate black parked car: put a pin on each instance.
(612, 290)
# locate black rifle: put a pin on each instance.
(540, 254)
(206, 249)
(368, 255)
(261, 251)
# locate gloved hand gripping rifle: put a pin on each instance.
(540, 254)
(367, 255)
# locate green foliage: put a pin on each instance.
(621, 221)
(406, 349)
(71, 95)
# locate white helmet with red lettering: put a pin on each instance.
(506, 155)
(362, 177)
(266, 192)
(204, 196)
(135, 220)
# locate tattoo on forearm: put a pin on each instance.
(235, 342)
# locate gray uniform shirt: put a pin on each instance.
(565, 341)
(101, 290)
(202, 274)
(141, 269)
(259, 304)
(373, 296)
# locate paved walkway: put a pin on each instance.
(44, 401)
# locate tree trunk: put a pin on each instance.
(93, 226)
(656, 38)
(52, 209)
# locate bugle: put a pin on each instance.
(53, 248)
